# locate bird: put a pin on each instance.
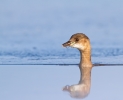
(82, 43)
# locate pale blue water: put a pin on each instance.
(36, 29)
(32, 32)
(63, 56)
(46, 82)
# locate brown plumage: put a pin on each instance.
(82, 43)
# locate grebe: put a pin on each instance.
(82, 43)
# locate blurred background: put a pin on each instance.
(33, 31)
(36, 29)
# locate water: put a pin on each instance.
(32, 33)
(46, 82)
(60, 56)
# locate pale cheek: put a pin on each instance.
(78, 46)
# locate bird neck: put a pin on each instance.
(85, 57)
(85, 76)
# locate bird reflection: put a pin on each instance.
(82, 89)
(82, 43)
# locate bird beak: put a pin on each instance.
(68, 43)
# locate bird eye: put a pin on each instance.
(77, 39)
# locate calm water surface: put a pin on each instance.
(31, 32)
(37, 82)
